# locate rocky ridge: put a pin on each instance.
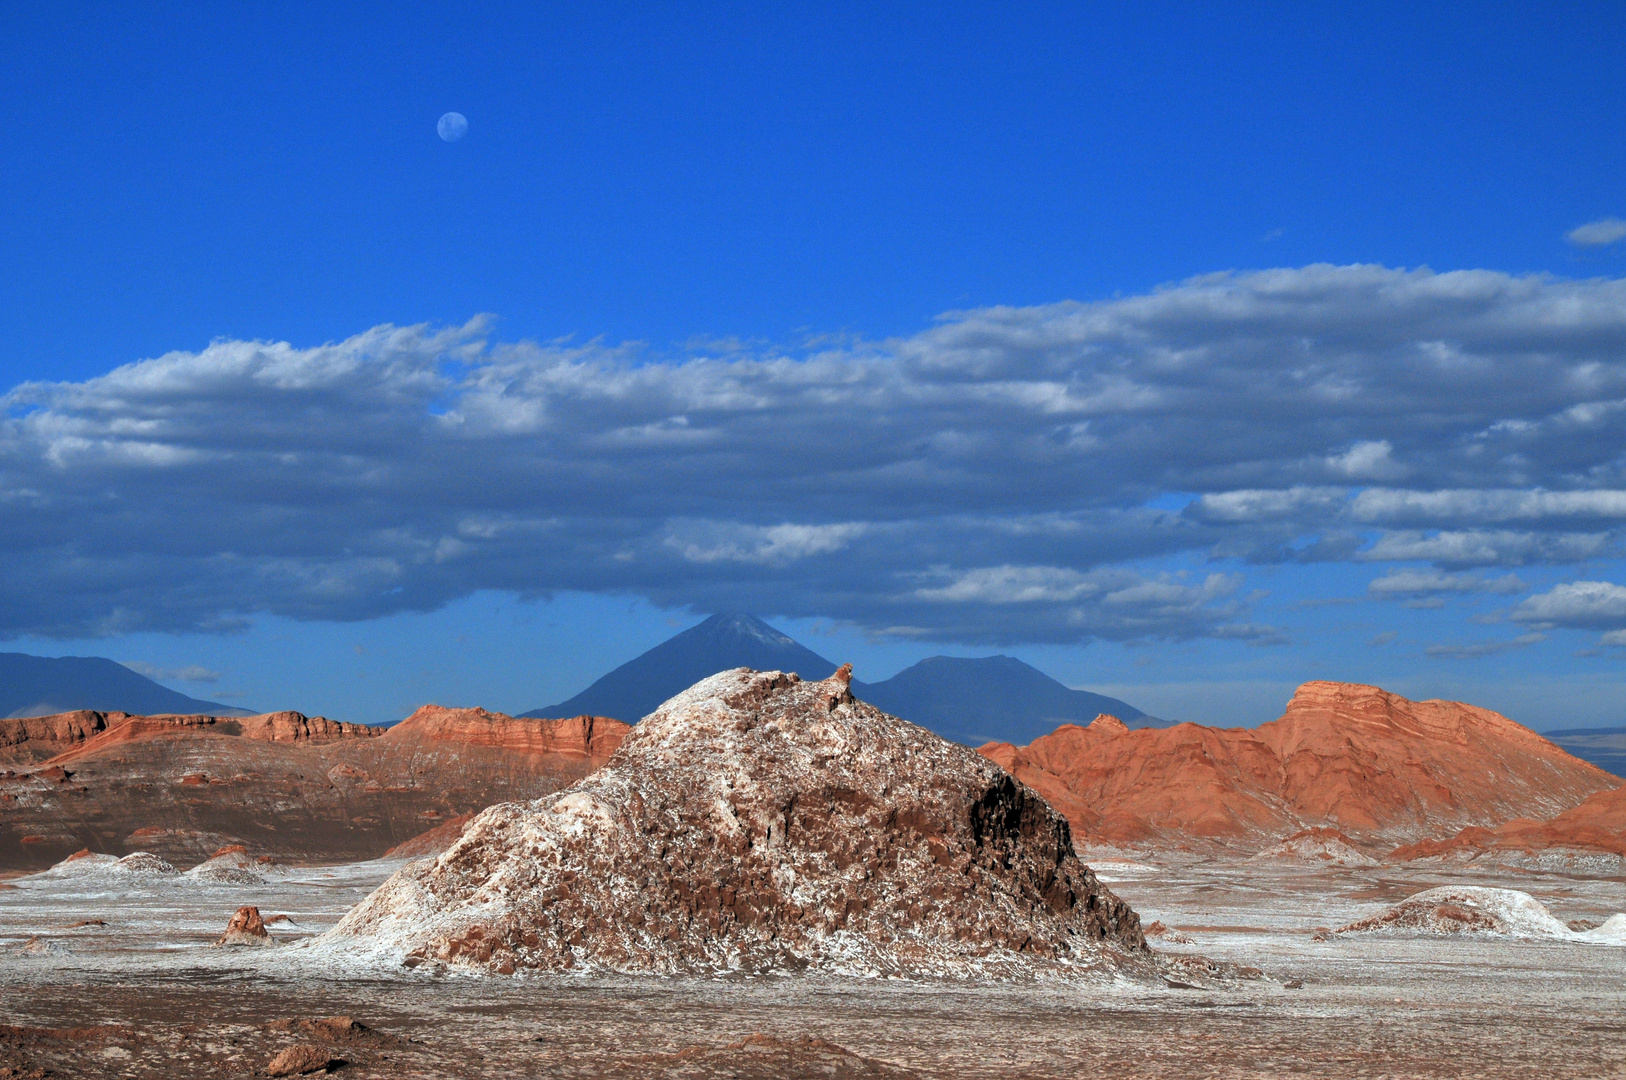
(1381, 769)
(287, 785)
(65, 737)
(758, 822)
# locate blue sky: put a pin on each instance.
(1096, 336)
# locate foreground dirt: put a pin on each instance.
(143, 995)
(475, 1028)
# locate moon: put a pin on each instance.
(453, 126)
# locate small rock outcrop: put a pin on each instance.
(758, 822)
(1318, 846)
(233, 865)
(246, 928)
(302, 1061)
(38, 946)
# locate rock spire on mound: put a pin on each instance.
(759, 822)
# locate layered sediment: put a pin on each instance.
(287, 785)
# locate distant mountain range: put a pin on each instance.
(995, 698)
(42, 685)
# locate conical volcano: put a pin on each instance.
(634, 690)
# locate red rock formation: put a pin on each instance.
(246, 928)
(1370, 763)
(303, 1061)
(296, 787)
(268, 727)
(1597, 826)
(39, 738)
(757, 822)
(584, 736)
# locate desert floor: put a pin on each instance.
(143, 995)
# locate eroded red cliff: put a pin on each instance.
(1378, 767)
(295, 786)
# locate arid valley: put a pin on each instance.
(773, 879)
(813, 541)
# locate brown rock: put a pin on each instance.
(580, 736)
(1372, 764)
(38, 738)
(340, 1028)
(302, 1060)
(757, 822)
(246, 928)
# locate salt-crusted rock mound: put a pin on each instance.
(84, 864)
(1318, 846)
(1380, 768)
(1470, 909)
(758, 822)
(47, 947)
(233, 865)
(1590, 838)
(287, 785)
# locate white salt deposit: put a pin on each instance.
(1472, 909)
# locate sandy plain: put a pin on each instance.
(144, 995)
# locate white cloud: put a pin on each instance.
(1108, 603)
(192, 673)
(1476, 547)
(404, 467)
(1013, 585)
(1266, 505)
(1424, 582)
(1368, 461)
(1476, 649)
(1600, 233)
(713, 541)
(1389, 504)
(1593, 605)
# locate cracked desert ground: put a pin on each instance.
(144, 995)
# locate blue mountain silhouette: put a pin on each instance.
(968, 700)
